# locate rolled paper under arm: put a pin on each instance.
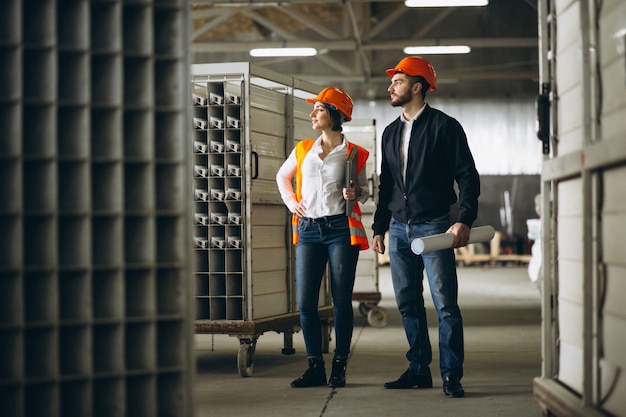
(445, 240)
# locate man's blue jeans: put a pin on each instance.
(320, 242)
(407, 271)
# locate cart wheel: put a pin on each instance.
(377, 317)
(245, 357)
(364, 309)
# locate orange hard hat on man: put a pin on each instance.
(415, 66)
(336, 98)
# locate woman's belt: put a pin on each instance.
(324, 219)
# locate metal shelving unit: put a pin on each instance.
(244, 120)
(94, 211)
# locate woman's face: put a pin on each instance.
(320, 117)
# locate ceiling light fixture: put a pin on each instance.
(437, 50)
(280, 52)
(445, 3)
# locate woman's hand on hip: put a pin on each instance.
(300, 209)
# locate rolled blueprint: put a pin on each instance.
(445, 240)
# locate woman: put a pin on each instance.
(322, 230)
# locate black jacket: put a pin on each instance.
(438, 156)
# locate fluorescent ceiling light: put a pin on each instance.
(445, 3)
(437, 50)
(277, 52)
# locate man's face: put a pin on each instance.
(399, 90)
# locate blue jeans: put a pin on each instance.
(407, 274)
(320, 242)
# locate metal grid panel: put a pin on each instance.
(94, 211)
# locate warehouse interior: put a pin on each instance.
(99, 206)
(492, 90)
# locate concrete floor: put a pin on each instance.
(502, 316)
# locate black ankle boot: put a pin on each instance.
(338, 374)
(312, 377)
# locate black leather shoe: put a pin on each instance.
(314, 376)
(452, 387)
(338, 374)
(410, 379)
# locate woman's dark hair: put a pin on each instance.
(336, 117)
(421, 80)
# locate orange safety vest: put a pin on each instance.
(357, 231)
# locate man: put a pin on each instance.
(424, 152)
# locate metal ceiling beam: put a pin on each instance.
(283, 33)
(334, 64)
(357, 39)
(222, 46)
(499, 42)
(387, 21)
(221, 18)
(443, 77)
(441, 16)
(351, 44)
(265, 3)
(310, 23)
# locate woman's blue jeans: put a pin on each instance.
(407, 271)
(320, 242)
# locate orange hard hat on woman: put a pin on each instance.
(336, 98)
(416, 66)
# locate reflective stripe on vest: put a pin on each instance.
(357, 231)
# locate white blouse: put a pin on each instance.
(323, 181)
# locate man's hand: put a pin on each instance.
(378, 244)
(461, 234)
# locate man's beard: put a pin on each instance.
(400, 100)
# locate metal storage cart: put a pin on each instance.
(245, 118)
(366, 291)
(581, 124)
